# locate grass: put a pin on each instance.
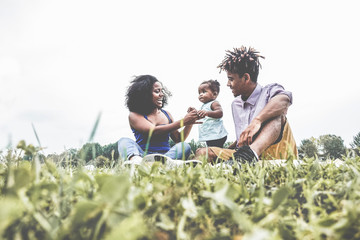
(50, 201)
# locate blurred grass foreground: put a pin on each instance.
(58, 197)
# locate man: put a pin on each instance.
(259, 113)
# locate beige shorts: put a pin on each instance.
(284, 149)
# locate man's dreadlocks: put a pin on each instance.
(241, 61)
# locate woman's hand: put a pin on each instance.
(191, 109)
(191, 117)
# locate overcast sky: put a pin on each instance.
(64, 62)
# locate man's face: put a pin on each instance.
(237, 84)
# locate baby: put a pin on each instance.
(212, 130)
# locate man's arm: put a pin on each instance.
(277, 106)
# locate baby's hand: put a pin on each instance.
(202, 113)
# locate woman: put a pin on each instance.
(145, 100)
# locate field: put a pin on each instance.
(48, 200)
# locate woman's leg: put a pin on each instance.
(128, 148)
(176, 152)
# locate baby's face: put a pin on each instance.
(205, 93)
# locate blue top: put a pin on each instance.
(211, 128)
(158, 143)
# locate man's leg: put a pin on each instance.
(214, 154)
(205, 152)
(285, 148)
(268, 135)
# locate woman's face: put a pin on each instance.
(158, 95)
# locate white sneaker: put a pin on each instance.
(135, 160)
(179, 163)
(155, 158)
(151, 158)
(90, 167)
(169, 162)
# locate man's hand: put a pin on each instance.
(275, 107)
(246, 137)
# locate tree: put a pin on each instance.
(89, 151)
(356, 141)
(110, 151)
(332, 146)
(308, 148)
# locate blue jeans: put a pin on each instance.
(128, 148)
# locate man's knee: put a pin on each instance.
(283, 119)
(274, 124)
(275, 127)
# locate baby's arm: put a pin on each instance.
(216, 112)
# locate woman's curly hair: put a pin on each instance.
(139, 95)
(241, 61)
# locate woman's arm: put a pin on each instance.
(176, 135)
(138, 122)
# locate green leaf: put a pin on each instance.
(113, 188)
(84, 214)
(131, 228)
(11, 209)
(279, 196)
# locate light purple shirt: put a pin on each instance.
(245, 111)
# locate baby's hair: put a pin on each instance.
(241, 61)
(214, 85)
(139, 94)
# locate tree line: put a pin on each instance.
(327, 146)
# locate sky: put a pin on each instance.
(64, 63)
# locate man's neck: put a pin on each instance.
(251, 90)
